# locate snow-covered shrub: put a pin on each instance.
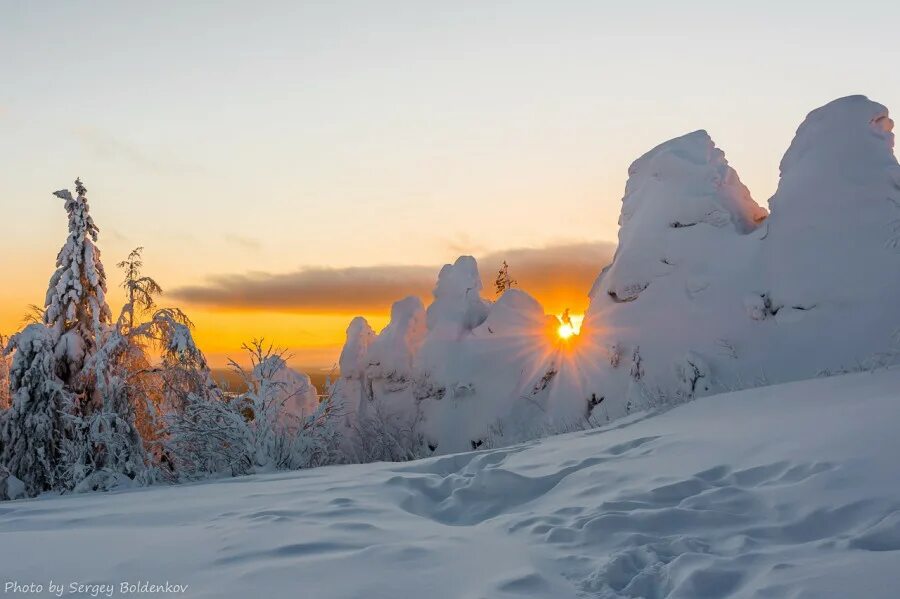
(383, 435)
(250, 432)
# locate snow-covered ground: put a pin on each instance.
(782, 491)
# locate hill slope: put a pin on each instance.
(783, 491)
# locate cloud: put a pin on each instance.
(108, 147)
(313, 290)
(247, 243)
(554, 274)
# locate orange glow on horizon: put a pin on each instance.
(312, 340)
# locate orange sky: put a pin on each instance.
(311, 313)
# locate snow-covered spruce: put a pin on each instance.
(75, 306)
(33, 429)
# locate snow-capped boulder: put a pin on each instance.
(10, 486)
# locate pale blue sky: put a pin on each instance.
(235, 136)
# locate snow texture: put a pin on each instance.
(801, 499)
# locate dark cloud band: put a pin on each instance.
(552, 274)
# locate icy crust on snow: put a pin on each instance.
(706, 293)
(783, 491)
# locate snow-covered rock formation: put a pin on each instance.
(689, 231)
(706, 293)
(699, 306)
(449, 378)
(830, 259)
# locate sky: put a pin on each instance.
(287, 164)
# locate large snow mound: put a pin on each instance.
(707, 293)
(782, 491)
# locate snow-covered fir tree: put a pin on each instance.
(504, 281)
(75, 306)
(33, 429)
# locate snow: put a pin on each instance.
(457, 304)
(781, 491)
(353, 356)
(295, 395)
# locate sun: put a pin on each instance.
(565, 331)
(569, 325)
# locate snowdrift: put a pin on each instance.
(782, 491)
(707, 292)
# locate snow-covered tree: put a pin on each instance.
(137, 394)
(184, 372)
(250, 432)
(144, 386)
(504, 281)
(119, 441)
(75, 306)
(4, 374)
(33, 429)
(140, 290)
(105, 449)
